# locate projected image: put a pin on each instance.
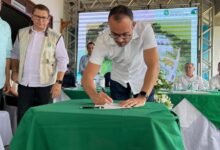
(175, 31)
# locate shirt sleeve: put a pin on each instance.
(9, 45)
(212, 83)
(149, 38)
(61, 56)
(15, 51)
(99, 51)
(81, 65)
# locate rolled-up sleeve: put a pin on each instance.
(61, 56)
(149, 38)
(15, 50)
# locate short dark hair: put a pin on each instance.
(120, 11)
(189, 63)
(41, 7)
(90, 43)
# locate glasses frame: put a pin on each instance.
(124, 36)
(40, 17)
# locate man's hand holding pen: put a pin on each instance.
(101, 99)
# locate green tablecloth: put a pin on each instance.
(65, 126)
(208, 104)
(79, 93)
(76, 93)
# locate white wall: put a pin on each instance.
(56, 10)
(216, 50)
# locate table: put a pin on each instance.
(199, 118)
(1, 144)
(66, 126)
(76, 93)
(79, 93)
(5, 128)
(207, 103)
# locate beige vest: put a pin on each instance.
(48, 64)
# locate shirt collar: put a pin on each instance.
(32, 30)
(190, 77)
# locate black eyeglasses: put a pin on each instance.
(117, 36)
(41, 17)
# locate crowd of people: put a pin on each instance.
(38, 62)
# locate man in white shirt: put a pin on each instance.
(189, 81)
(39, 60)
(132, 48)
(85, 59)
(214, 82)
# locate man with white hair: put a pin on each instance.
(190, 81)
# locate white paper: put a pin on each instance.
(110, 106)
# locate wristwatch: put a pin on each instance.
(59, 81)
(143, 94)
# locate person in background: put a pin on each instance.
(189, 81)
(107, 77)
(214, 82)
(5, 47)
(132, 47)
(69, 79)
(39, 60)
(84, 59)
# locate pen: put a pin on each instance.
(91, 107)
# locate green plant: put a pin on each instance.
(162, 83)
(164, 99)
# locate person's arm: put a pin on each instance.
(15, 60)
(151, 59)
(89, 86)
(62, 61)
(211, 84)
(15, 66)
(56, 89)
(81, 66)
(7, 85)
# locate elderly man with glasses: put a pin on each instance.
(39, 60)
(135, 64)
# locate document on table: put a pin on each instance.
(110, 106)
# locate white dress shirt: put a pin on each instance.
(31, 72)
(128, 64)
(186, 83)
(214, 82)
